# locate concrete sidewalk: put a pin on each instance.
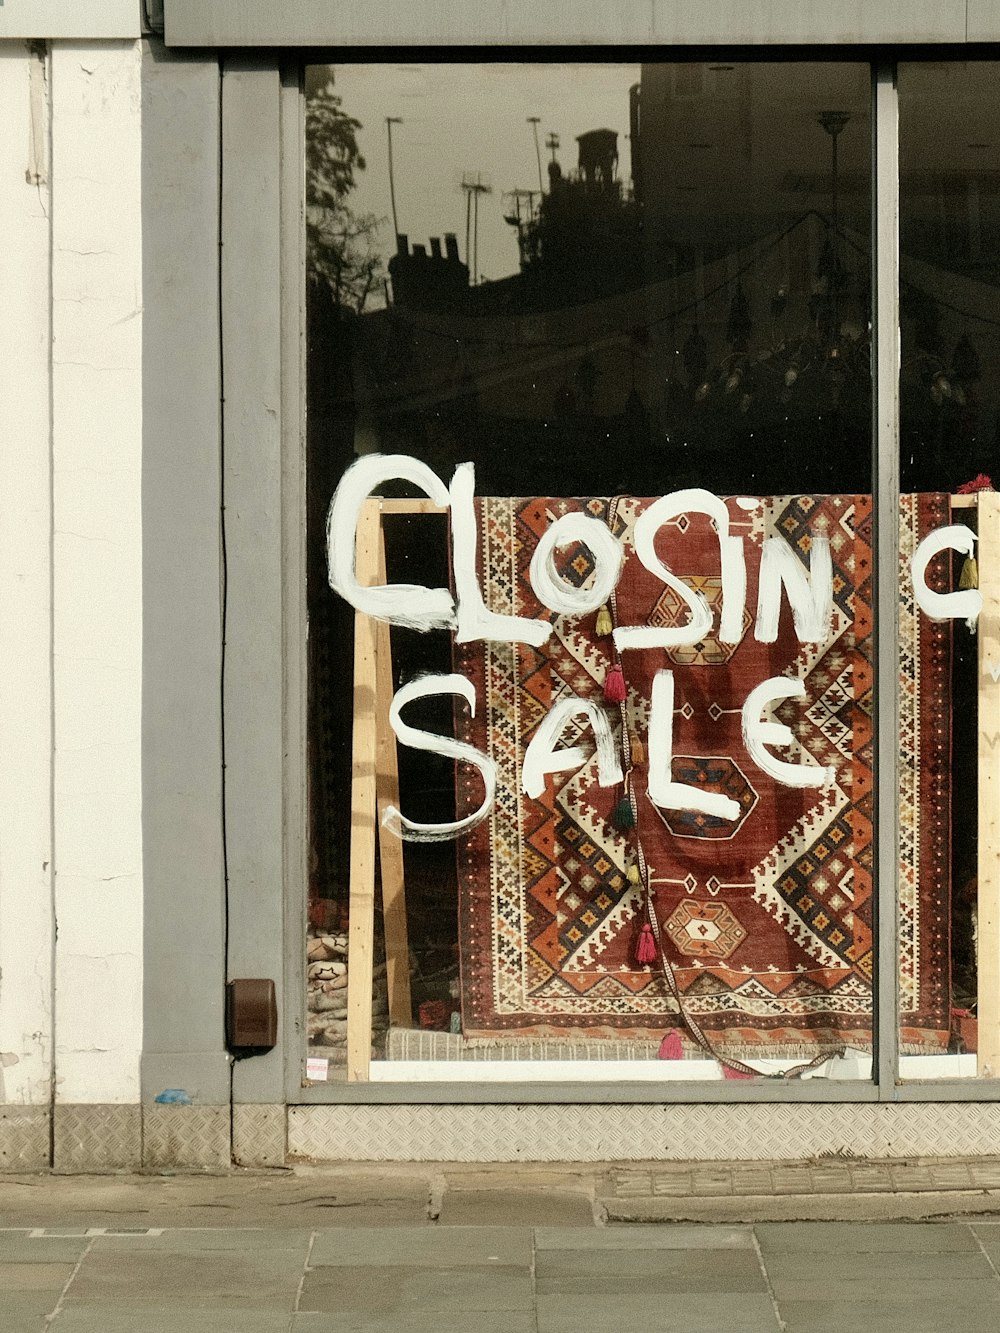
(821, 1277)
(458, 1249)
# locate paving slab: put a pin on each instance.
(34, 1277)
(18, 1247)
(879, 1288)
(620, 1266)
(911, 1265)
(861, 1238)
(535, 1177)
(452, 1247)
(552, 1208)
(752, 1209)
(179, 1318)
(27, 1308)
(645, 1238)
(674, 1314)
(262, 1281)
(416, 1321)
(651, 1286)
(374, 1291)
(930, 1316)
(991, 1244)
(207, 1241)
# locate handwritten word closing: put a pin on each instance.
(809, 595)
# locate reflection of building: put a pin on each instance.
(722, 299)
(650, 314)
(598, 159)
(428, 281)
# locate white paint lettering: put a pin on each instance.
(607, 554)
(407, 604)
(662, 789)
(945, 605)
(811, 598)
(424, 687)
(542, 758)
(475, 620)
(757, 735)
(733, 570)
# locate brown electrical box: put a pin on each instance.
(251, 1014)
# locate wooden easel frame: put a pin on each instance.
(987, 503)
(375, 785)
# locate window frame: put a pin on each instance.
(266, 779)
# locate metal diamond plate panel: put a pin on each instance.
(24, 1138)
(185, 1136)
(641, 1133)
(97, 1138)
(259, 1135)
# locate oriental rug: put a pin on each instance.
(766, 919)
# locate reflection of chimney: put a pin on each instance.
(635, 137)
(435, 247)
(402, 243)
(451, 246)
(598, 158)
(420, 252)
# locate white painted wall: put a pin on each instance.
(96, 550)
(25, 573)
(70, 18)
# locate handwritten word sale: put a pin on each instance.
(809, 595)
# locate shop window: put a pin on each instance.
(601, 285)
(950, 416)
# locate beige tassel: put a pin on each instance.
(604, 626)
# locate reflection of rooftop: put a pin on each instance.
(427, 281)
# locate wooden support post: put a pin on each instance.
(988, 1009)
(361, 925)
(390, 847)
(374, 785)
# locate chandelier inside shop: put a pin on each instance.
(832, 353)
(819, 357)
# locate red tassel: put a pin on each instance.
(614, 684)
(645, 951)
(733, 1073)
(671, 1047)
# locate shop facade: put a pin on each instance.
(735, 276)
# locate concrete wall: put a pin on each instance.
(70, 574)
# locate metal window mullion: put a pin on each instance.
(885, 489)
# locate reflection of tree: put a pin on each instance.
(341, 242)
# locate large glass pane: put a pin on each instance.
(950, 410)
(600, 285)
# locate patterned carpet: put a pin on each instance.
(766, 920)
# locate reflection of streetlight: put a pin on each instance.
(534, 122)
(389, 122)
(473, 189)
